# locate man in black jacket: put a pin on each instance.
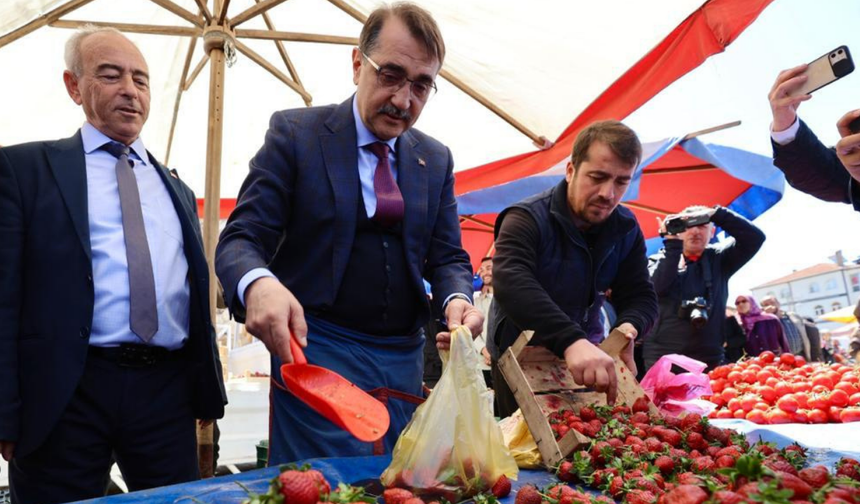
(687, 270)
(558, 252)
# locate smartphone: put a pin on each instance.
(832, 66)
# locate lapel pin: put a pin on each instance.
(422, 162)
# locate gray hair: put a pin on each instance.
(74, 61)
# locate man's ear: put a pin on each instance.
(713, 232)
(72, 86)
(356, 65)
(569, 171)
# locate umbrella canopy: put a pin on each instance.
(516, 60)
(843, 315)
(673, 175)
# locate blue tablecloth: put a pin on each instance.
(826, 443)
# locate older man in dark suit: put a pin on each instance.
(106, 344)
(344, 211)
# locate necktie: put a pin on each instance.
(143, 314)
(389, 201)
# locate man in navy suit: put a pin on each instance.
(106, 346)
(344, 211)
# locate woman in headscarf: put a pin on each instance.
(763, 330)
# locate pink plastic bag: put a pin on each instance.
(678, 394)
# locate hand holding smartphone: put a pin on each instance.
(828, 68)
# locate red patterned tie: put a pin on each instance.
(389, 201)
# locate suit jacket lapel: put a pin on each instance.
(340, 156)
(412, 178)
(187, 220)
(67, 162)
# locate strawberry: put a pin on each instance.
(670, 436)
(696, 441)
(713, 433)
(396, 495)
(727, 497)
(688, 478)
(641, 404)
(653, 444)
(847, 469)
(665, 464)
(414, 500)
(816, 476)
(685, 494)
(731, 451)
(640, 497)
(639, 417)
(587, 414)
(801, 489)
(642, 483)
(303, 486)
(692, 422)
(562, 493)
(616, 486)
(702, 465)
(724, 461)
(527, 494)
(502, 487)
(777, 463)
(564, 471)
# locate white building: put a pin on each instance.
(815, 290)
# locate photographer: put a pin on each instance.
(691, 279)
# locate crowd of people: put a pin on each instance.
(107, 349)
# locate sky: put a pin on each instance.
(801, 230)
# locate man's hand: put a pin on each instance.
(661, 227)
(273, 313)
(6, 449)
(488, 359)
(460, 312)
(592, 367)
(627, 356)
(782, 104)
(848, 148)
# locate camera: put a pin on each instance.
(679, 223)
(696, 310)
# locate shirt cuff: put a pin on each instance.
(456, 295)
(785, 136)
(249, 278)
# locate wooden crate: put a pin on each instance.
(541, 383)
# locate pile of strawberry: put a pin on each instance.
(303, 485)
(642, 458)
(773, 390)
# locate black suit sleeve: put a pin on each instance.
(447, 265)
(518, 290)
(811, 167)
(12, 234)
(256, 226)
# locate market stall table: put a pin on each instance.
(827, 443)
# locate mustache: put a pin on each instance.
(393, 111)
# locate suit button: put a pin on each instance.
(90, 278)
(385, 244)
(387, 268)
(85, 332)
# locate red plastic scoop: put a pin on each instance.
(334, 397)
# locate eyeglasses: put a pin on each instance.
(421, 89)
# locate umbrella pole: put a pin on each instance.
(214, 41)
